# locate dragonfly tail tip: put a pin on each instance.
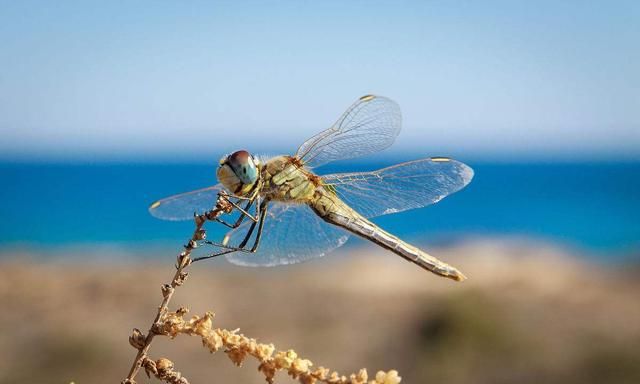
(457, 275)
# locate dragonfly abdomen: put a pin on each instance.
(334, 211)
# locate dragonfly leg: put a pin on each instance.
(263, 211)
(256, 243)
(241, 248)
(211, 256)
(222, 246)
(260, 228)
(243, 213)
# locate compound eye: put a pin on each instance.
(239, 157)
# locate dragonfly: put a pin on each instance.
(289, 214)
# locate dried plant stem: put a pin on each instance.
(167, 293)
(238, 346)
(137, 339)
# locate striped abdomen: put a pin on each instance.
(333, 210)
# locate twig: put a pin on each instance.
(139, 340)
(238, 346)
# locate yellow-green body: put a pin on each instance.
(285, 179)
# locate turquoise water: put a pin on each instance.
(591, 207)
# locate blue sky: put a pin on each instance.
(172, 80)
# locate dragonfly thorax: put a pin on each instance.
(238, 172)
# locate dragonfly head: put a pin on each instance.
(238, 172)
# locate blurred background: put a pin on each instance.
(105, 108)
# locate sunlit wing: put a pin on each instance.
(401, 187)
(370, 125)
(291, 234)
(183, 205)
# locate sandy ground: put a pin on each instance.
(527, 314)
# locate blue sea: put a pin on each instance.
(590, 207)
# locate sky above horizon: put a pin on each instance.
(155, 79)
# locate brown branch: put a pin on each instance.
(137, 339)
(238, 347)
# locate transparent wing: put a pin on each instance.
(183, 205)
(291, 234)
(401, 187)
(370, 125)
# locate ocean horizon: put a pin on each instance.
(588, 206)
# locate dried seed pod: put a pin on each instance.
(182, 311)
(163, 370)
(183, 259)
(163, 365)
(200, 234)
(181, 278)
(390, 377)
(137, 339)
(199, 219)
(166, 290)
(149, 367)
